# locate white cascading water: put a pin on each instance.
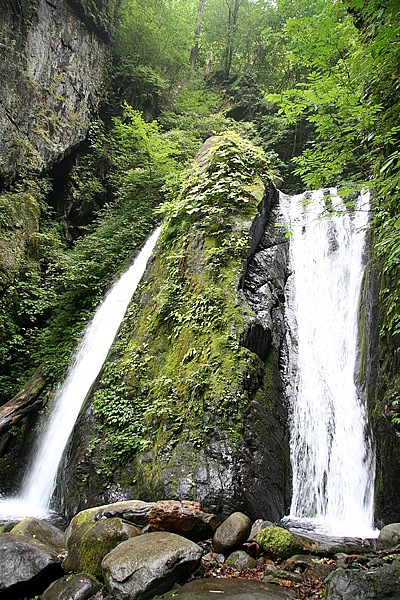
(331, 450)
(39, 483)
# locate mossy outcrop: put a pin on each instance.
(186, 406)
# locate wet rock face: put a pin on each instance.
(266, 451)
(373, 584)
(26, 566)
(51, 72)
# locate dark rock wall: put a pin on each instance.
(372, 371)
(52, 69)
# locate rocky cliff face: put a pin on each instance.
(52, 65)
(53, 68)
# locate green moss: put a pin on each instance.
(93, 548)
(280, 543)
(178, 364)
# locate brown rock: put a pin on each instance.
(184, 518)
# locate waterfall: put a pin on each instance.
(39, 482)
(331, 450)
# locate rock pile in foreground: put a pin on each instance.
(136, 550)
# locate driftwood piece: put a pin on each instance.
(23, 403)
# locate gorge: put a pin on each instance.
(117, 115)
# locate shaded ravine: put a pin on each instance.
(39, 481)
(331, 449)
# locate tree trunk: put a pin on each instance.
(233, 9)
(195, 50)
(30, 398)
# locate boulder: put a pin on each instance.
(72, 587)
(232, 589)
(302, 562)
(42, 531)
(134, 511)
(88, 541)
(257, 527)
(357, 584)
(27, 566)
(232, 533)
(184, 518)
(389, 536)
(279, 543)
(149, 564)
(241, 560)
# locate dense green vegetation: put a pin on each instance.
(313, 83)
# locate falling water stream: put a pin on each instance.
(331, 450)
(39, 482)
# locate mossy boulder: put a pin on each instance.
(88, 541)
(279, 543)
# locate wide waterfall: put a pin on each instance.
(331, 450)
(39, 482)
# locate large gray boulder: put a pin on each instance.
(27, 566)
(356, 584)
(42, 531)
(232, 533)
(149, 564)
(72, 587)
(389, 536)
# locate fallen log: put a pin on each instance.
(30, 398)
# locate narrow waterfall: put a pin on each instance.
(38, 484)
(331, 450)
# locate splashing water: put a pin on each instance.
(39, 482)
(331, 450)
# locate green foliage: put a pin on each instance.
(224, 188)
(347, 56)
(132, 162)
(54, 289)
(157, 35)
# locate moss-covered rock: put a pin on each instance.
(89, 540)
(279, 543)
(174, 409)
